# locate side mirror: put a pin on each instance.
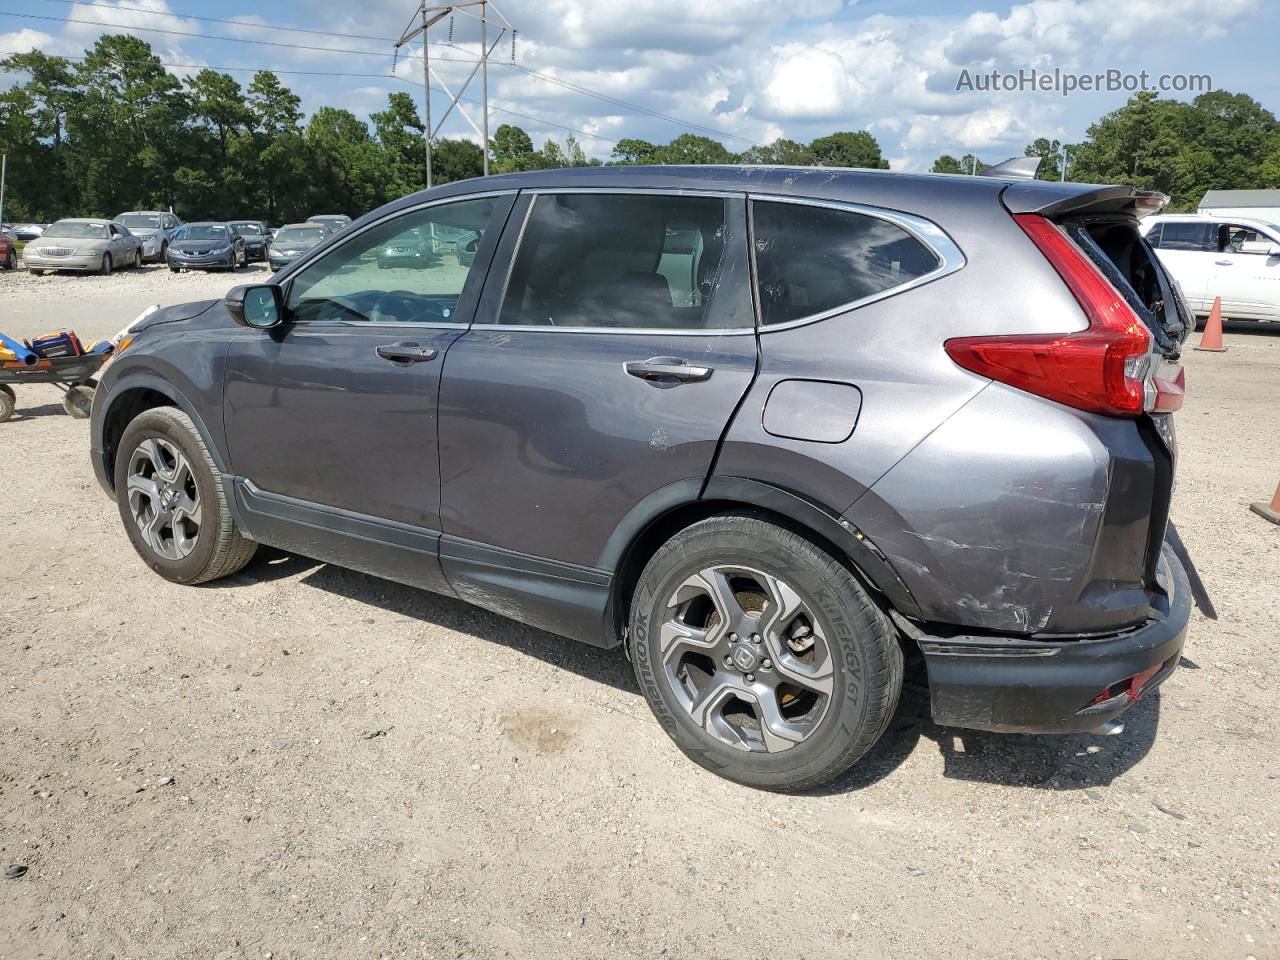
(260, 307)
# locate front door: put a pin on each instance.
(601, 369)
(1245, 274)
(331, 418)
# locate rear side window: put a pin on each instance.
(811, 259)
(631, 261)
(1198, 237)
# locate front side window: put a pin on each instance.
(1235, 238)
(631, 261)
(392, 273)
(811, 259)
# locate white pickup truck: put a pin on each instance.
(1232, 258)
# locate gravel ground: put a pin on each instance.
(306, 762)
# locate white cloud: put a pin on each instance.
(23, 41)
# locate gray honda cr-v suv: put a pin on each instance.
(763, 428)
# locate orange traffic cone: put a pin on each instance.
(1270, 512)
(1211, 339)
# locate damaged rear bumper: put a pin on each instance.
(1059, 686)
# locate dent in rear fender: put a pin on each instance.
(1018, 515)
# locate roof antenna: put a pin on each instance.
(1015, 168)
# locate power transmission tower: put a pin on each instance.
(424, 18)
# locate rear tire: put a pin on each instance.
(8, 402)
(771, 715)
(162, 462)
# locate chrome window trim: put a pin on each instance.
(614, 331)
(315, 255)
(934, 238)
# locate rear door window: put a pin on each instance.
(812, 259)
(631, 261)
(1195, 237)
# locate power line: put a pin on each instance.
(557, 81)
(366, 76)
(234, 23)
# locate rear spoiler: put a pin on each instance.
(1053, 200)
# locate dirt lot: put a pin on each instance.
(305, 762)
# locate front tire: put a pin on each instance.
(104, 269)
(11, 261)
(173, 500)
(8, 402)
(761, 655)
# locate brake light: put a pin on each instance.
(1102, 369)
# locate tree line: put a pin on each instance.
(114, 131)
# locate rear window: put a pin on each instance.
(811, 260)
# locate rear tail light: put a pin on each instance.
(1108, 368)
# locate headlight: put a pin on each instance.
(119, 337)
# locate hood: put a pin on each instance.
(175, 313)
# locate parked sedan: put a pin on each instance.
(293, 240)
(334, 221)
(154, 228)
(83, 244)
(26, 232)
(409, 249)
(256, 238)
(207, 246)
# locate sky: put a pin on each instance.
(743, 71)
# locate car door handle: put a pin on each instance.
(405, 352)
(1223, 263)
(666, 368)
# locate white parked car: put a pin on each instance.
(1232, 258)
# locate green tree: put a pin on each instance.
(512, 150)
(848, 149)
(456, 160)
(1050, 154)
(692, 148)
(947, 164)
(629, 150)
(781, 152)
(399, 131)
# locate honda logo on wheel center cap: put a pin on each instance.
(745, 659)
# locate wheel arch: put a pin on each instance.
(129, 397)
(664, 513)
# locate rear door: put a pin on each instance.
(1187, 248)
(603, 367)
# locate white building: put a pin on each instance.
(1255, 204)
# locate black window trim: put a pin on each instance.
(312, 256)
(933, 237)
(535, 192)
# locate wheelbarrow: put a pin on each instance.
(74, 376)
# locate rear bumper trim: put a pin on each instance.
(1025, 686)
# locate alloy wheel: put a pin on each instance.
(164, 500)
(747, 658)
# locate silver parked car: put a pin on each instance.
(84, 244)
(154, 228)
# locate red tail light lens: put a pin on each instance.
(1102, 369)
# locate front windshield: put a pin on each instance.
(251, 228)
(300, 235)
(203, 231)
(140, 221)
(74, 230)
